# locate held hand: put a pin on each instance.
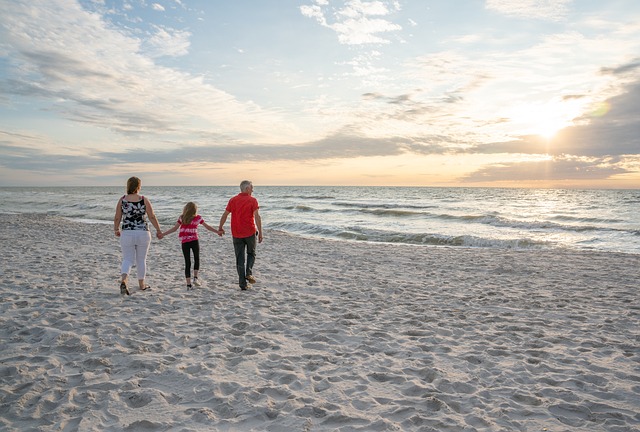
(221, 232)
(159, 235)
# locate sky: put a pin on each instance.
(504, 93)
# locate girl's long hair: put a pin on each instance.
(189, 212)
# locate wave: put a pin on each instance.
(485, 219)
(586, 219)
(427, 239)
(308, 197)
(503, 222)
(492, 219)
(391, 212)
(304, 208)
(372, 211)
(360, 205)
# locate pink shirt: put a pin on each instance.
(189, 232)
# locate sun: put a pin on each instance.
(549, 128)
(542, 119)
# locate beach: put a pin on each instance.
(334, 336)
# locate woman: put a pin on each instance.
(135, 238)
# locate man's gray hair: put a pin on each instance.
(245, 185)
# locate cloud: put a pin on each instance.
(91, 73)
(631, 66)
(27, 152)
(18, 155)
(358, 22)
(552, 10)
(555, 169)
(599, 147)
(314, 11)
(157, 7)
(614, 133)
(167, 42)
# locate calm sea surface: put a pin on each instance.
(601, 220)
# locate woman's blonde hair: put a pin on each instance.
(189, 212)
(133, 185)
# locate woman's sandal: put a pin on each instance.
(146, 287)
(123, 289)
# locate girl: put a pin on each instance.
(188, 223)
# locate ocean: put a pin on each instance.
(502, 218)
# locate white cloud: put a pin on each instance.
(363, 30)
(158, 7)
(167, 42)
(89, 73)
(314, 11)
(553, 10)
(357, 8)
(358, 22)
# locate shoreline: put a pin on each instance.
(335, 335)
(316, 237)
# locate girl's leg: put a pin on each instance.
(143, 241)
(186, 252)
(196, 257)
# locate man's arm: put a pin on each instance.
(223, 219)
(258, 219)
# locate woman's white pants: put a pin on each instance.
(135, 245)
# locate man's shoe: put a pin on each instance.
(196, 282)
(251, 279)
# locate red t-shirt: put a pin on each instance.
(242, 207)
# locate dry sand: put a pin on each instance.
(334, 336)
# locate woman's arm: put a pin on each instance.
(152, 216)
(117, 218)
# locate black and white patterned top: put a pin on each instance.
(134, 215)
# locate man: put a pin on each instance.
(246, 227)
